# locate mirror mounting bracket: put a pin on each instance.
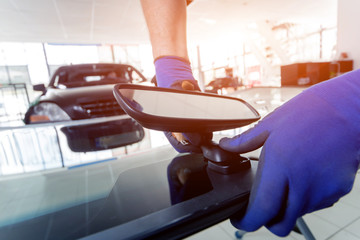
(223, 161)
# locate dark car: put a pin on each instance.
(220, 83)
(82, 91)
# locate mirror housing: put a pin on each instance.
(174, 110)
(39, 87)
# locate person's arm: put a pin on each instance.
(166, 21)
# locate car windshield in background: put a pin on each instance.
(91, 75)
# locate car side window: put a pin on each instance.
(56, 81)
(134, 76)
(60, 80)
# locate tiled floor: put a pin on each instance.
(340, 222)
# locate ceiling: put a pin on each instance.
(121, 21)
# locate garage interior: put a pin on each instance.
(256, 45)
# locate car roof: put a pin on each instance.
(93, 67)
(76, 67)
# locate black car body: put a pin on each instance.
(81, 91)
(85, 91)
(220, 83)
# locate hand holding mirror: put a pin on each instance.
(189, 112)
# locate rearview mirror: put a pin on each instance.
(188, 111)
(183, 111)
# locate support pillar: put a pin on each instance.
(348, 34)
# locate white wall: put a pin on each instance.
(348, 29)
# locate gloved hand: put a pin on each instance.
(309, 158)
(175, 72)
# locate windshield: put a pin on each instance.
(95, 75)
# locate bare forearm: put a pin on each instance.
(166, 21)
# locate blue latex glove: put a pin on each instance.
(309, 158)
(175, 72)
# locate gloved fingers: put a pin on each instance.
(175, 72)
(188, 142)
(186, 139)
(330, 195)
(321, 205)
(188, 85)
(248, 141)
(268, 195)
(198, 139)
(170, 69)
(181, 146)
(286, 220)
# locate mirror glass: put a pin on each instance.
(189, 106)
